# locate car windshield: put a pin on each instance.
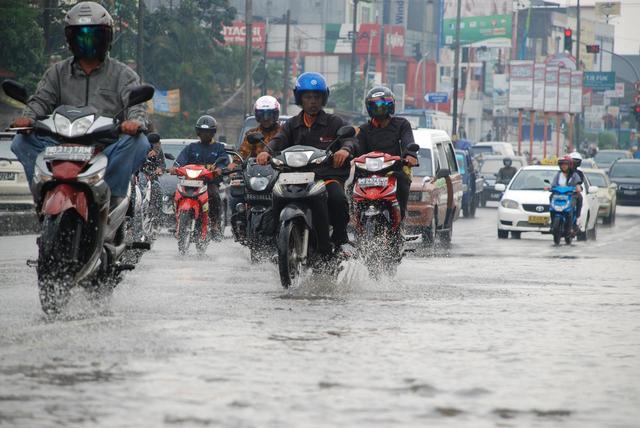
(532, 179)
(460, 159)
(174, 149)
(596, 179)
(424, 170)
(625, 170)
(5, 150)
(492, 166)
(608, 157)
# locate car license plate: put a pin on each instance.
(72, 153)
(8, 176)
(629, 192)
(297, 178)
(495, 195)
(373, 181)
(191, 183)
(538, 219)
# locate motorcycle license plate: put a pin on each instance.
(373, 182)
(538, 219)
(192, 183)
(72, 153)
(297, 178)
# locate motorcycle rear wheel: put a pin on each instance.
(184, 231)
(289, 252)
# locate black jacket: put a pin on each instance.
(321, 134)
(392, 139)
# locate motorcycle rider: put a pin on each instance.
(314, 127)
(506, 173)
(567, 177)
(153, 167)
(89, 77)
(211, 154)
(388, 134)
(576, 159)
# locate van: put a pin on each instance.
(493, 148)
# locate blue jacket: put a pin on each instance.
(203, 154)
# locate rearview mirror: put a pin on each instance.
(547, 181)
(346, 132)
(255, 138)
(140, 94)
(413, 147)
(500, 187)
(443, 172)
(15, 90)
(153, 138)
(169, 156)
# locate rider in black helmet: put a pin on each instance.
(506, 173)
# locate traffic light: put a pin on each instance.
(593, 49)
(568, 40)
(417, 53)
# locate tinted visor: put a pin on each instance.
(380, 107)
(267, 115)
(91, 41)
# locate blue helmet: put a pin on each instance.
(311, 82)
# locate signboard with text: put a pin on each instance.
(521, 85)
(576, 92)
(235, 34)
(564, 90)
(600, 80)
(551, 89)
(538, 87)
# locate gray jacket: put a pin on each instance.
(106, 88)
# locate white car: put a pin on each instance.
(524, 207)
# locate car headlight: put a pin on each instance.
(297, 159)
(258, 183)
(509, 203)
(72, 129)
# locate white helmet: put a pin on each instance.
(267, 102)
(577, 158)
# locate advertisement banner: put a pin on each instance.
(521, 85)
(564, 90)
(538, 87)
(165, 102)
(235, 34)
(551, 89)
(482, 23)
(338, 39)
(576, 92)
(618, 92)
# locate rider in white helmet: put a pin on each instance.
(267, 112)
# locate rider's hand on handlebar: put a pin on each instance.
(172, 170)
(130, 127)
(263, 158)
(340, 157)
(22, 122)
(411, 161)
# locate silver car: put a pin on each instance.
(15, 196)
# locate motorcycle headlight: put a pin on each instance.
(192, 173)
(258, 183)
(376, 164)
(68, 129)
(297, 159)
(509, 203)
(93, 179)
(319, 160)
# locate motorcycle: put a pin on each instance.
(82, 240)
(377, 211)
(562, 211)
(253, 222)
(295, 190)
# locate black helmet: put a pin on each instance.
(88, 28)
(507, 161)
(380, 102)
(206, 123)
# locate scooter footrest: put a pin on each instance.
(139, 246)
(32, 263)
(411, 237)
(124, 266)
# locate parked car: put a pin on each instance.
(605, 158)
(472, 183)
(493, 148)
(524, 207)
(489, 167)
(15, 196)
(250, 122)
(626, 174)
(436, 190)
(607, 193)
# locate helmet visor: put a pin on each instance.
(262, 115)
(380, 107)
(91, 41)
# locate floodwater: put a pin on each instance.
(496, 333)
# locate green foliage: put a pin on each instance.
(340, 98)
(607, 140)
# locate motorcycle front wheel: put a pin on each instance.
(289, 252)
(556, 230)
(185, 229)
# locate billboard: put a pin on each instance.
(482, 23)
(564, 90)
(551, 89)
(338, 39)
(521, 85)
(235, 34)
(576, 92)
(538, 87)
(165, 102)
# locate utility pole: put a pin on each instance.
(354, 59)
(140, 50)
(285, 86)
(577, 122)
(248, 41)
(265, 76)
(456, 67)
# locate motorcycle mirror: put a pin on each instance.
(413, 147)
(346, 132)
(255, 138)
(443, 172)
(140, 94)
(547, 181)
(169, 156)
(153, 138)
(500, 187)
(15, 90)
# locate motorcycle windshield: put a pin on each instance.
(563, 190)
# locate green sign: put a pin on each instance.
(600, 80)
(490, 31)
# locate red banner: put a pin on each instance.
(236, 33)
(369, 35)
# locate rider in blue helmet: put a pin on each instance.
(314, 127)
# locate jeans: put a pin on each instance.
(125, 157)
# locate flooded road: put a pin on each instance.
(503, 333)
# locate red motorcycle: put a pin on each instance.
(192, 207)
(377, 215)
